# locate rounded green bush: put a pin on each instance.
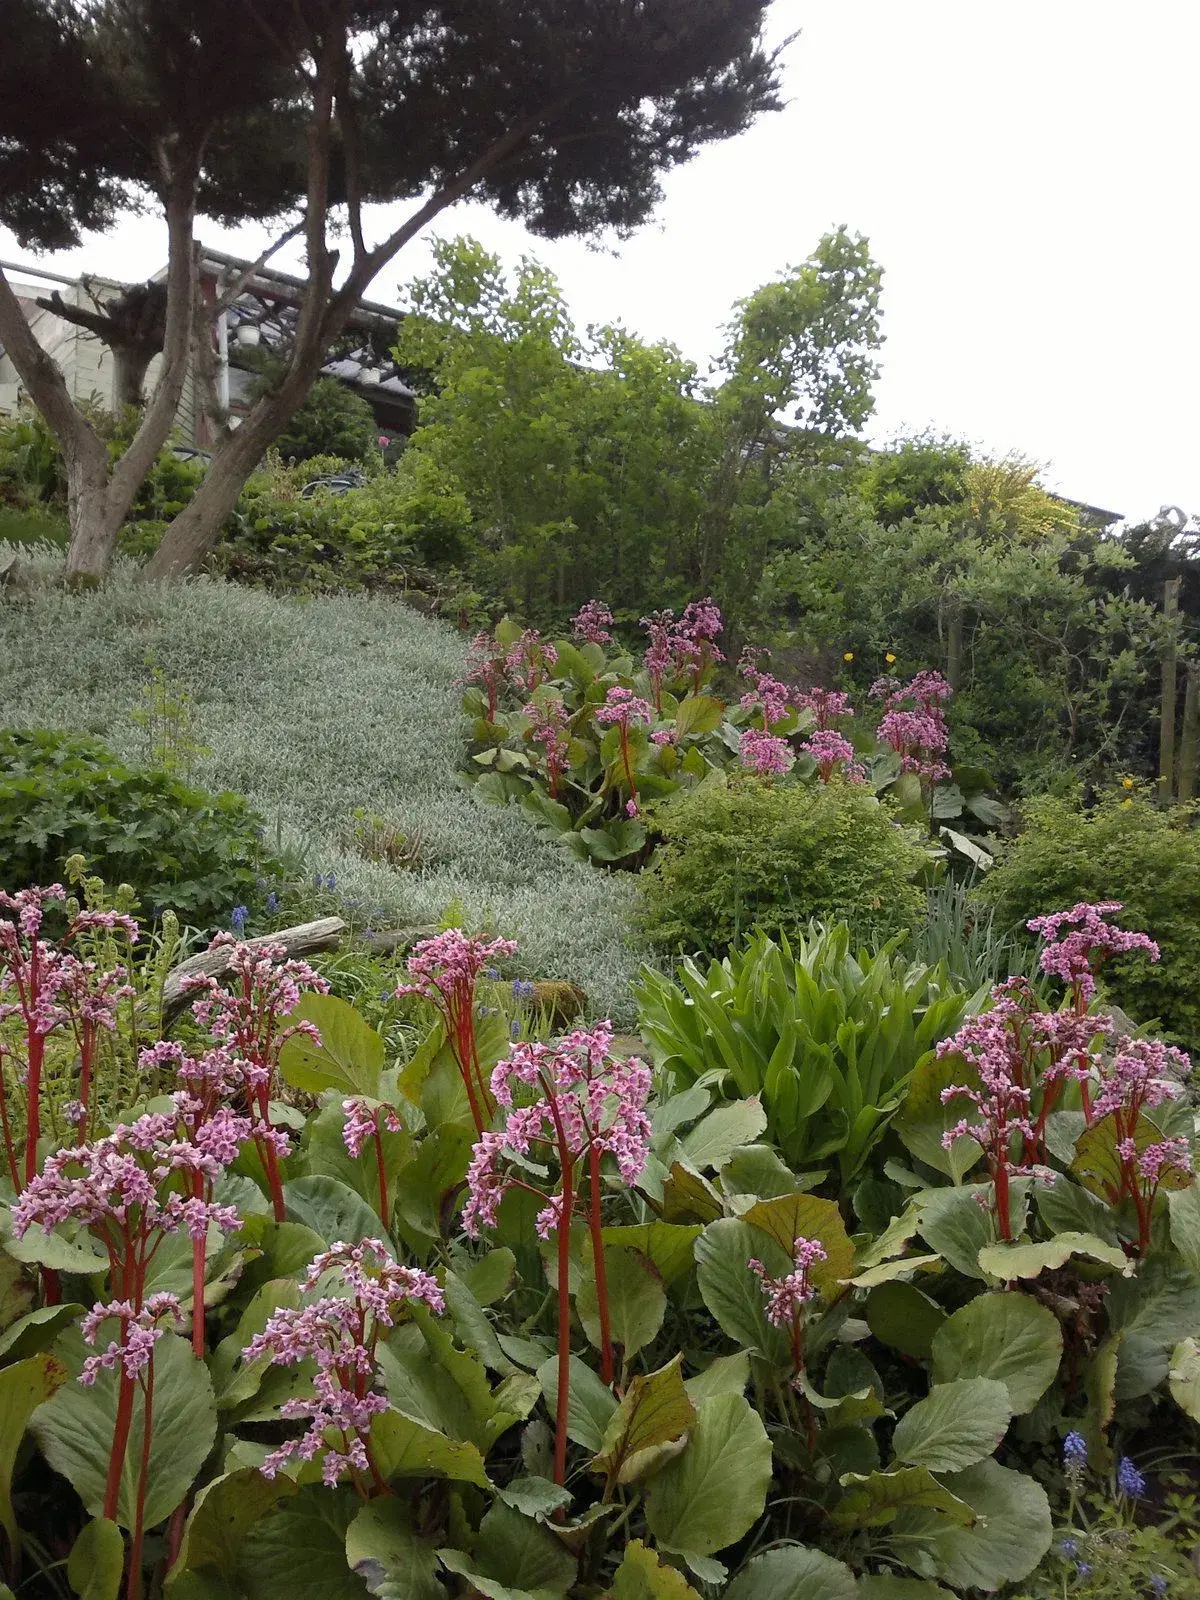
(1125, 848)
(180, 848)
(748, 855)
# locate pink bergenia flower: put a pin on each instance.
(830, 751)
(764, 753)
(623, 707)
(770, 698)
(786, 1297)
(914, 723)
(1080, 941)
(339, 1333)
(592, 623)
(530, 661)
(550, 721)
(487, 662)
(140, 1331)
(364, 1119)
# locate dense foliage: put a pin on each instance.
(333, 421)
(177, 846)
(509, 1314)
(1124, 845)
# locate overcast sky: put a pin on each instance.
(1026, 173)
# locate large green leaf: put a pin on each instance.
(899, 1315)
(654, 1411)
(1009, 1261)
(519, 1554)
(793, 1216)
(670, 1245)
(24, 1386)
(875, 1499)
(1010, 1337)
(1184, 1377)
(1067, 1207)
(642, 1576)
(591, 1405)
(405, 1448)
(956, 1425)
(637, 1302)
(1010, 1535)
(955, 1225)
(391, 1558)
(725, 1129)
(886, 1586)
(711, 1495)
(723, 1375)
(731, 1291)
(222, 1516)
(349, 1058)
(698, 713)
(36, 1331)
(331, 1210)
(924, 1117)
(97, 1561)
(298, 1552)
(1185, 1225)
(75, 1429)
(793, 1573)
(1151, 1313)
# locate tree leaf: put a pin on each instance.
(875, 1499)
(96, 1564)
(708, 1497)
(654, 1411)
(591, 1404)
(24, 1386)
(1184, 1377)
(793, 1573)
(223, 1513)
(793, 1216)
(349, 1058)
(956, 1425)
(1007, 1336)
(1010, 1535)
(642, 1576)
(391, 1558)
(1009, 1261)
(725, 1129)
(637, 1302)
(405, 1448)
(75, 1429)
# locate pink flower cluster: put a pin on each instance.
(1080, 941)
(486, 665)
(531, 661)
(592, 623)
(683, 647)
(768, 696)
(339, 1333)
(621, 706)
(826, 705)
(364, 1119)
(830, 751)
(585, 1102)
(550, 722)
(786, 1297)
(764, 753)
(914, 723)
(141, 1329)
(245, 1006)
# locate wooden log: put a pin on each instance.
(305, 939)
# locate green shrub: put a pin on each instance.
(1123, 849)
(748, 855)
(333, 421)
(178, 847)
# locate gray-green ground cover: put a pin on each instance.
(311, 709)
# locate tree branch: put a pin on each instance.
(46, 385)
(235, 288)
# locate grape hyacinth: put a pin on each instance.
(339, 1333)
(1130, 1481)
(445, 971)
(764, 754)
(574, 1103)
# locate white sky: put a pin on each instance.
(1026, 173)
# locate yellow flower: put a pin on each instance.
(889, 658)
(847, 655)
(1127, 783)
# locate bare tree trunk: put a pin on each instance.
(1189, 744)
(1170, 681)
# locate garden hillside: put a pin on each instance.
(315, 711)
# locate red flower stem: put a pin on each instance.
(383, 1191)
(271, 1163)
(37, 1051)
(133, 1589)
(1003, 1211)
(199, 1255)
(116, 1460)
(563, 1398)
(607, 1366)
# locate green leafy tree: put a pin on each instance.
(178, 105)
(333, 421)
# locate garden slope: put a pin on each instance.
(311, 708)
